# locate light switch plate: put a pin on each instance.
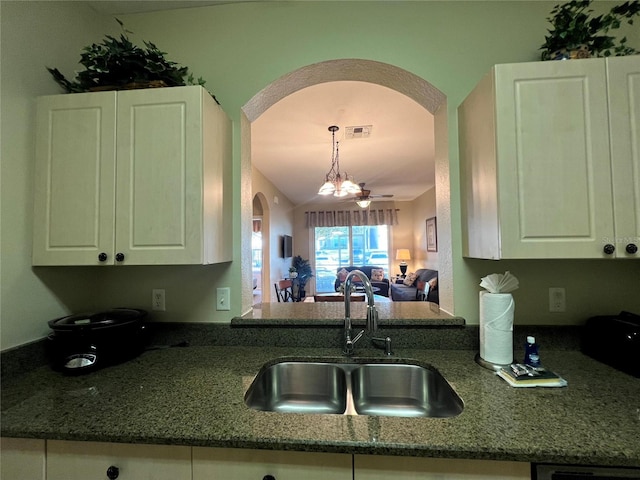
(223, 300)
(557, 300)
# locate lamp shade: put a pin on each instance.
(403, 254)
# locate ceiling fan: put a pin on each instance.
(364, 197)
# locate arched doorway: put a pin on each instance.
(260, 250)
(389, 76)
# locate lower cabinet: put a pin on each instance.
(28, 459)
(246, 464)
(376, 467)
(22, 458)
(87, 460)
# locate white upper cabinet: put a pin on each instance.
(542, 145)
(624, 124)
(132, 178)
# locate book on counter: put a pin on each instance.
(521, 375)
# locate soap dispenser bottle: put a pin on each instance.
(531, 355)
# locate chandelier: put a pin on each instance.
(337, 184)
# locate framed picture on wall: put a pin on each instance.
(432, 235)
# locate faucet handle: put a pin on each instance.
(349, 343)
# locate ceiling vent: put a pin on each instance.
(361, 131)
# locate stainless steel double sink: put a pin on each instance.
(357, 388)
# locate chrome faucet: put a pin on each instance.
(372, 313)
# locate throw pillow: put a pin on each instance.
(422, 291)
(342, 274)
(377, 274)
(356, 278)
(433, 283)
(410, 278)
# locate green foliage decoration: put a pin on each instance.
(575, 28)
(303, 267)
(117, 63)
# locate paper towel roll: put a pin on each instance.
(496, 327)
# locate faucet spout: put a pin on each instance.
(372, 313)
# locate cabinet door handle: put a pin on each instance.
(268, 477)
(119, 257)
(113, 472)
(631, 248)
(102, 257)
(609, 249)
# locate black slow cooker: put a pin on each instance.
(85, 342)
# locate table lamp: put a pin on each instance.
(403, 254)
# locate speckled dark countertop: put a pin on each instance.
(194, 396)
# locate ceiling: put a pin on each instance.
(291, 144)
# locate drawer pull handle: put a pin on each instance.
(113, 472)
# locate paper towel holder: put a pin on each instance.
(490, 365)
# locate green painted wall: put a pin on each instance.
(240, 49)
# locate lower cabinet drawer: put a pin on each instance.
(22, 458)
(246, 464)
(373, 467)
(84, 460)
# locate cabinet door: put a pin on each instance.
(624, 107)
(84, 460)
(74, 179)
(159, 176)
(246, 464)
(369, 467)
(22, 458)
(554, 173)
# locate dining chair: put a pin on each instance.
(284, 290)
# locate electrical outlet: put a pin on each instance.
(223, 302)
(157, 300)
(557, 300)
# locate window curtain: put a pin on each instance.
(352, 218)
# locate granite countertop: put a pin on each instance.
(332, 313)
(194, 396)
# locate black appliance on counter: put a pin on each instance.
(614, 340)
(85, 342)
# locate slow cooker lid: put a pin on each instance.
(113, 317)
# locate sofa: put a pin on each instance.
(379, 280)
(413, 286)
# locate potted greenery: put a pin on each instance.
(303, 268)
(118, 64)
(576, 34)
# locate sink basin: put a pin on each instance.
(299, 387)
(367, 388)
(403, 390)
